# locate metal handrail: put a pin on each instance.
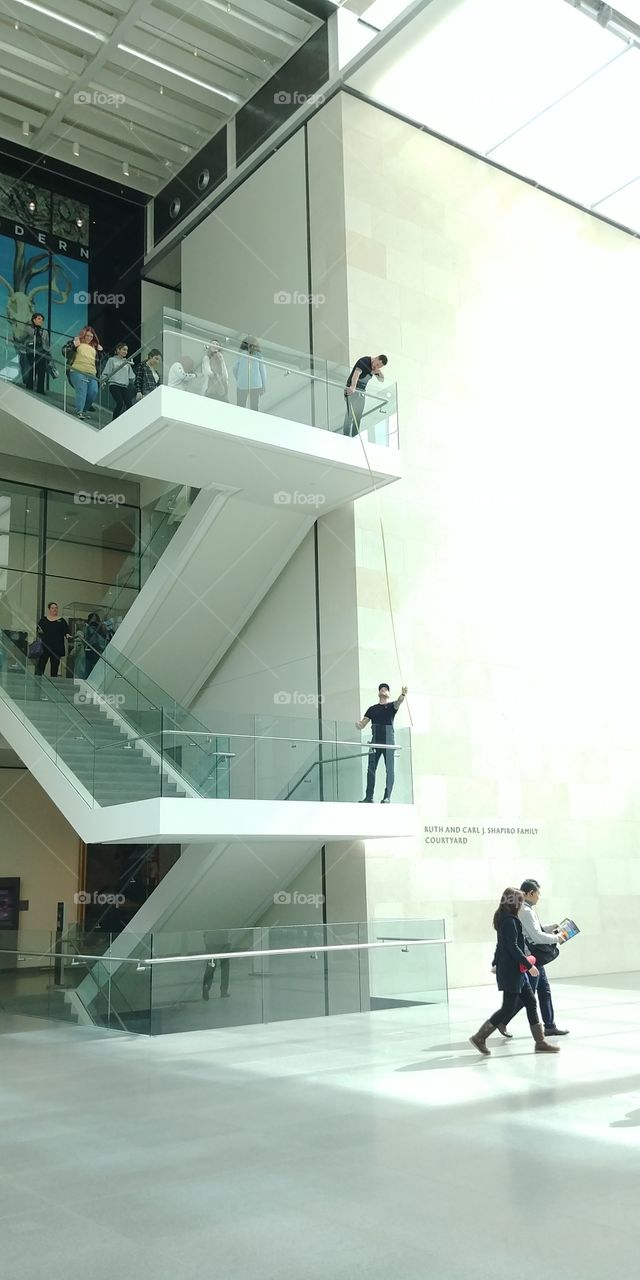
(258, 737)
(404, 943)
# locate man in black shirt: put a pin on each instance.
(364, 369)
(381, 717)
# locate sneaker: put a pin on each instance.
(386, 800)
(554, 1031)
(80, 416)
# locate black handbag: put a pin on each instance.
(545, 952)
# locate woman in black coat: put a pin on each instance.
(513, 967)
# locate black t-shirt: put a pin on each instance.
(382, 716)
(364, 375)
(53, 632)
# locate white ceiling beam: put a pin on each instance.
(212, 43)
(217, 108)
(105, 167)
(241, 35)
(147, 110)
(183, 59)
(27, 50)
(102, 56)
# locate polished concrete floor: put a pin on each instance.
(369, 1146)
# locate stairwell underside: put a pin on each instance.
(182, 438)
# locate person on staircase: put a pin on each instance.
(83, 374)
(514, 967)
(52, 631)
(118, 375)
(35, 359)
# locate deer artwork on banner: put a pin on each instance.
(21, 297)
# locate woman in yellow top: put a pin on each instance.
(83, 374)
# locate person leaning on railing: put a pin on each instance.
(147, 375)
(364, 369)
(83, 374)
(118, 375)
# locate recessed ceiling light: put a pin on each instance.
(182, 75)
(58, 17)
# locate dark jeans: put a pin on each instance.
(353, 413)
(34, 370)
(209, 970)
(254, 398)
(541, 987)
(42, 661)
(121, 397)
(513, 1001)
(374, 760)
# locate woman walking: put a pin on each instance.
(513, 967)
(118, 374)
(83, 374)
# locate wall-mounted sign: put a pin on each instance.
(456, 834)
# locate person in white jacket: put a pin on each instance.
(535, 934)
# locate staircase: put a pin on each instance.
(102, 753)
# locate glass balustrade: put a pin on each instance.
(208, 359)
(167, 982)
(21, 362)
(119, 737)
(162, 521)
(202, 358)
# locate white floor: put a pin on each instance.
(369, 1146)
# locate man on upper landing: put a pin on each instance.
(364, 369)
(381, 717)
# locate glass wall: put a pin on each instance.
(60, 546)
